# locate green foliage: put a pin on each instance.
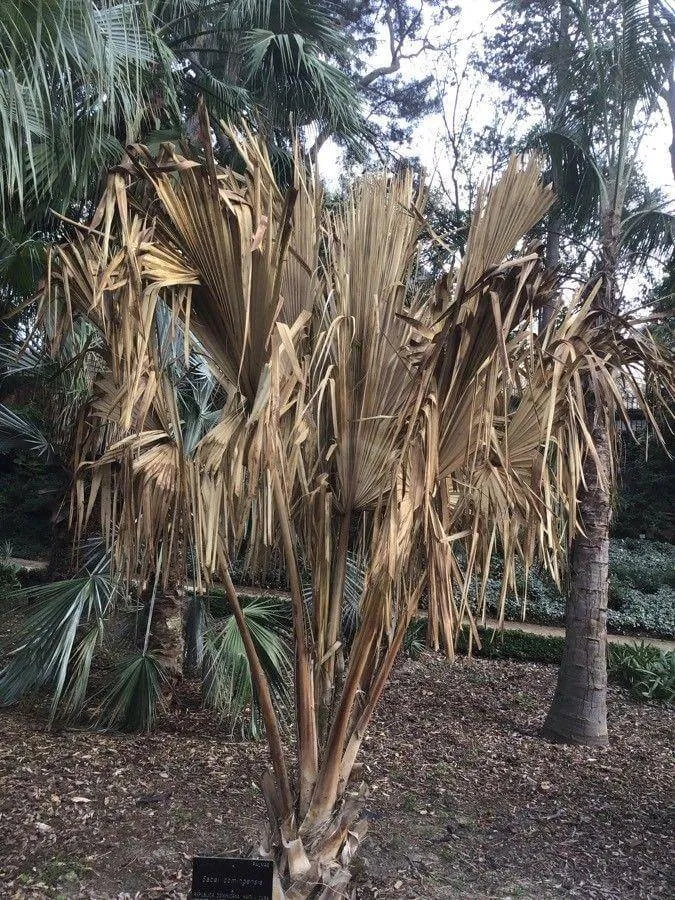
(646, 490)
(20, 433)
(641, 591)
(133, 698)
(646, 671)
(415, 638)
(228, 686)
(55, 642)
(29, 494)
(72, 76)
(646, 567)
(510, 644)
(642, 587)
(9, 573)
(9, 579)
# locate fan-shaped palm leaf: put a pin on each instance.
(55, 643)
(134, 696)
(20, 433)
(63, 68)
(228, 685)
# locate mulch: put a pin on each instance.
(466, 799)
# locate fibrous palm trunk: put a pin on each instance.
(194, 636)
(552, 262)
(168, 613)
(167, 636)
(669, 94)
(578, 713)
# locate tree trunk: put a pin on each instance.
(166, 636)
(194, 636)
(578, 713)
(560, 65)
(62, 563)
(669, 95)
(552, 262)
(168, 614)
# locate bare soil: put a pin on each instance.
(467, 801)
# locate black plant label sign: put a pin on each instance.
(220, 877)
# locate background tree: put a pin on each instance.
(80, 81)
(629, 70)
(594, 71)
(386, 40)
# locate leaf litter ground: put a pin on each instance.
(466, 799)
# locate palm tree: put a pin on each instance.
(357, 420)
(67, 621)
(269, 60)
(81, 80)
(597, 141)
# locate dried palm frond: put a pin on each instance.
(465, 384)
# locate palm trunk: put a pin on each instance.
(578, 713)
(560, 76)
(166, 636)
(167, 616)
(669, 95)
(194, 636)
(552, 262)
(62, 562)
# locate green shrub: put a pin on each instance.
(646, 671)
(641, 590)
(522, 646)
(646, 488)
(29, 494)
(619, 594)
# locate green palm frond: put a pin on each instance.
(54, 645)
(645, 52)
(228, 686)
(313, 19)
(199, 413)
(355, 576)
(22, 256)
(647, 231)
(577, 179)
(415, 639)
(68, 70)
(287, 71)
(225, 99)
(30, 362)
(134, 697)
(268, 61)
(19, 433)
